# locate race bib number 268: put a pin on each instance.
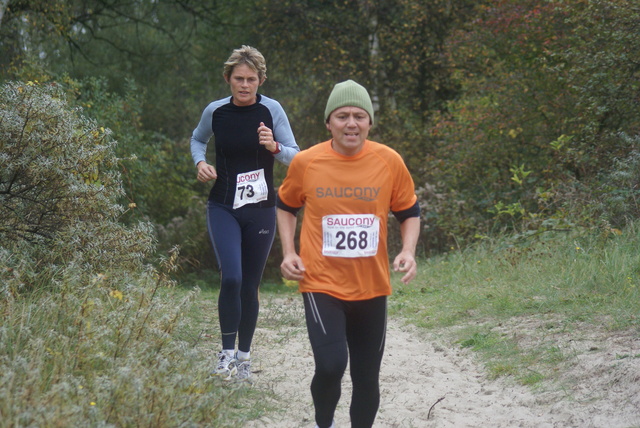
(350, 235)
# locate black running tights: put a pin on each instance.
(339, 331)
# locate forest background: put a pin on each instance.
(511, 115)
(516, 118)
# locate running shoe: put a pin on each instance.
(226, 368)
(244, 370)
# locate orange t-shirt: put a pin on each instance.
(347, 199)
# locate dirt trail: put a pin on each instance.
(419, 369)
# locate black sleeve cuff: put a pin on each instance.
(286, 207)
(413, 211)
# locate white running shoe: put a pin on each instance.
(244, 370)
(226, 368)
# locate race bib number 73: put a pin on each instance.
(350, 235)
(251, 187)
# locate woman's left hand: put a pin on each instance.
(266, 138)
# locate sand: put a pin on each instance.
(427, 380)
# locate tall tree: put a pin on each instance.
(394, 48)
(3, 7)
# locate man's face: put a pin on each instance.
(349, 127)
(244, 83)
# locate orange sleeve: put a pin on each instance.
(404, 192)
(290, 192)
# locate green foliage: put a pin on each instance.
(493, 104)
(90, 354)
(503, 119)
(190, 230)
(143, 69)
(601, 54)
(51, 164)
(545, 85)
(59, 192)
(32, 20)
(155, 170)
(91, 336)
(173, 49)
(612, 200)
(509, 299)
(393, 48)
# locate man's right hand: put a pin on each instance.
(292, 267)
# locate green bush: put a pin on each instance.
(90, 334)
(548, 101)
(87, 354)
(59, 188)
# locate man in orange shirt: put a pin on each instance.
(347, 186)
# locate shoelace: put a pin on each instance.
(244, 368)
(224, 361)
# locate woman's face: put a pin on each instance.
(349, 127)
(244, 83)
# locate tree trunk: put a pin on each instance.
(3, 7)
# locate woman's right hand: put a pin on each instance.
(206, 172)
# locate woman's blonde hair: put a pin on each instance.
(246, 55)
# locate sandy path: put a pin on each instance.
(419, 369)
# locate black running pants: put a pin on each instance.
(339, 331)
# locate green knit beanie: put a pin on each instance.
(348, 93)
